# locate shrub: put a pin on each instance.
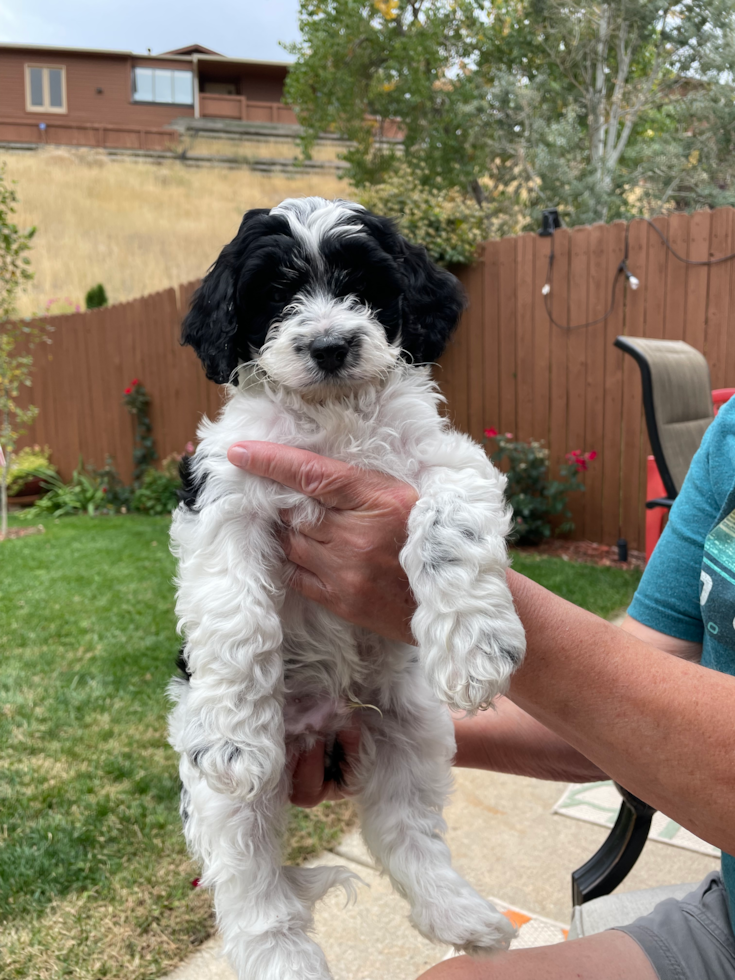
(447, 223)
(96, 297)
(137, 400)
(535, 498)
(117, 495)
(156, 494)
(31, 463)
(83, 495)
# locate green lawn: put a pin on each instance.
(94, 877)
(603, 591)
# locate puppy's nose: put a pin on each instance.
(329, 354)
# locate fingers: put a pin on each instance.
(308, 786)
(319, 532)
(309, 585)
(332, 483)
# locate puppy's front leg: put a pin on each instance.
(455, 557)
(232, 728)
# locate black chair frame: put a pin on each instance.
(611, 863)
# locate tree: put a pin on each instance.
(607, 109)
(17, 337)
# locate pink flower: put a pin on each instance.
(490, 433)
(508, 435)
(134, 382)
(576, 452)
(189, 447)
(128, 391)
(592, 455)
(581, 464)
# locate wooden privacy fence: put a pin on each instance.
(511, 368)
(508, 365)
(80, 377)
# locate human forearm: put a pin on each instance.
(507, 739)
(659, 725)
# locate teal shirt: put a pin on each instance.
(688, 588)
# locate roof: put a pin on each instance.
(195, 49)
(182, 54)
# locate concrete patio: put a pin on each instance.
(505, 841)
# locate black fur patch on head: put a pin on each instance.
(238, 298)
(432, 299)
(264, 268)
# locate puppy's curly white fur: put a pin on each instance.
(321, 319)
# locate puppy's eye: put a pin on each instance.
(279, 293)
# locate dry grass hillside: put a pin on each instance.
(134, 226)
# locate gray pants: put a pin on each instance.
(691, 939)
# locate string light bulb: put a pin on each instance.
(633, 281)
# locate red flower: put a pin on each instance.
(491, 433)
(104, 489)
(581, 464)
(592, 455)
(195, 883)
(128, 391)
(134, 382)
(576, 452)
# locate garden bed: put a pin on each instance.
(588, 553)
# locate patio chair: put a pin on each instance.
(678, 405)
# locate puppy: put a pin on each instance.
(321, 320)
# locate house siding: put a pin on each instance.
(99, 106)
(85, 73)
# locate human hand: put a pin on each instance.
(310, 784)
(349, 561)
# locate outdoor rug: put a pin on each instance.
(600, 802)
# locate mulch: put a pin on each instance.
(587, 552)
(22, 532)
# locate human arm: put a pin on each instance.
(658, 724)
(686, 649)
(509, 739)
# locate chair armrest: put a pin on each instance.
(659, 502)
(609, 866)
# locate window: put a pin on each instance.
(45, 88)
(163, 85)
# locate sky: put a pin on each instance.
(237, 28)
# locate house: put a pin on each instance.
(120, 100)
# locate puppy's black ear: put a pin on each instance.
(432, 305)
(212, 326)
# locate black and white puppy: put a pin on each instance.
(321, 320)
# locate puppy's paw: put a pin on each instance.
(478, 661)
(237, 771)
(467, 922)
